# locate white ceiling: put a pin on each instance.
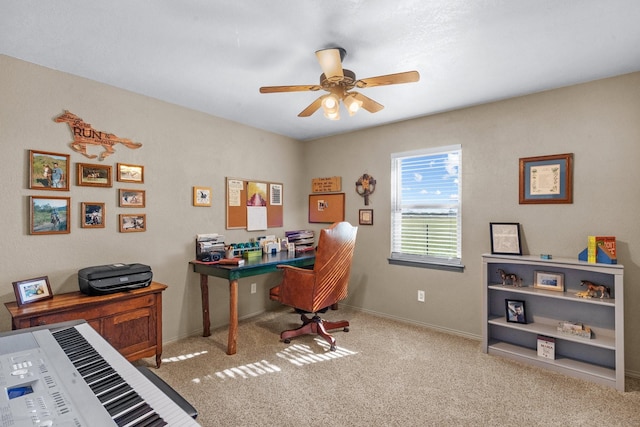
(213, 55)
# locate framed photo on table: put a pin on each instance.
(505, 238)
(546, 179)
(32, 290)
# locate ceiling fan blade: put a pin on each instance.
(367, 103)
(299, 88)
(389, 79)
(331, 62)
(312, 108)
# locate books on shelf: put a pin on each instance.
(600, 249)
(546, 347)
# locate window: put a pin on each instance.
(425, 207)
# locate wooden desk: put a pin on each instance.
(266, 264)
(130, 321)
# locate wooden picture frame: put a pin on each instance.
(92, 175)
(48, 171)
(505, 238)
(130, 173)
(132, 223)
(49, 215)
(201, 196)
(546, 179)
(93, 215)
(326, 208)
(131, 198)
(548, 281)
(515, 311)
(365, 217)
(31, 290)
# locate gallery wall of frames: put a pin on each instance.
(52, 213)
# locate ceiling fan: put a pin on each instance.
(340, 82)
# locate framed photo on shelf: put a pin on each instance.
(366, 217)
(89, 175)
(133, 223)
(128, 198)
(48, 171)
(515, 311)
(201, 196)
(130, 173)
(49, 215)
(505, 238)
(549, 281)
(546, 179)
(93, 215)
(32, 290)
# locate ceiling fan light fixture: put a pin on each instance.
(352, 104)
(331, 107)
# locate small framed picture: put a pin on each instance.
(201, 196)
(366, 217)
(32, 290)
(128, 198)
(48, 171)
(89, 175)
(549, 281)
(505, 238)
(130, 173)
(516, 312)
(49, 215)
(133, 223)
(546, 179)
(93, 214)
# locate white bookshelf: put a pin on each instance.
(599, 359)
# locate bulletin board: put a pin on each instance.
(237, 202)
(327, 208)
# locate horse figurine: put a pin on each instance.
(509, 277)
(593, 289)
(84, 134)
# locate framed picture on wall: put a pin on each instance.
(48, 171)
(131, 198)
(201, 196)
(90, 175)
(93, 215)
(49, 215)
(133, 223)
(366, 217)
(546, 179)
(130, 173)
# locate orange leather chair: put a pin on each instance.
(314, 291)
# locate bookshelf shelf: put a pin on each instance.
(599, 359)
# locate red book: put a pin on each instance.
(607, 244)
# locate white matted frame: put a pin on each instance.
(548, 281)
(505, 238)
(32, 290)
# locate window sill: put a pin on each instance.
(431, 265)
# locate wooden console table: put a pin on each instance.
(130, 321)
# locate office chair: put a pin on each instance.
(314, 291)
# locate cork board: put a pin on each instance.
(326, 208)
(237, 201)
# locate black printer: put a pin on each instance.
(111, 278)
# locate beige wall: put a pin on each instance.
(598, 122)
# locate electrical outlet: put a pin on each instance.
(253, 288)
(421, 296)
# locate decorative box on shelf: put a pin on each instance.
(575, 329)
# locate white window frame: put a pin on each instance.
(453, 205)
